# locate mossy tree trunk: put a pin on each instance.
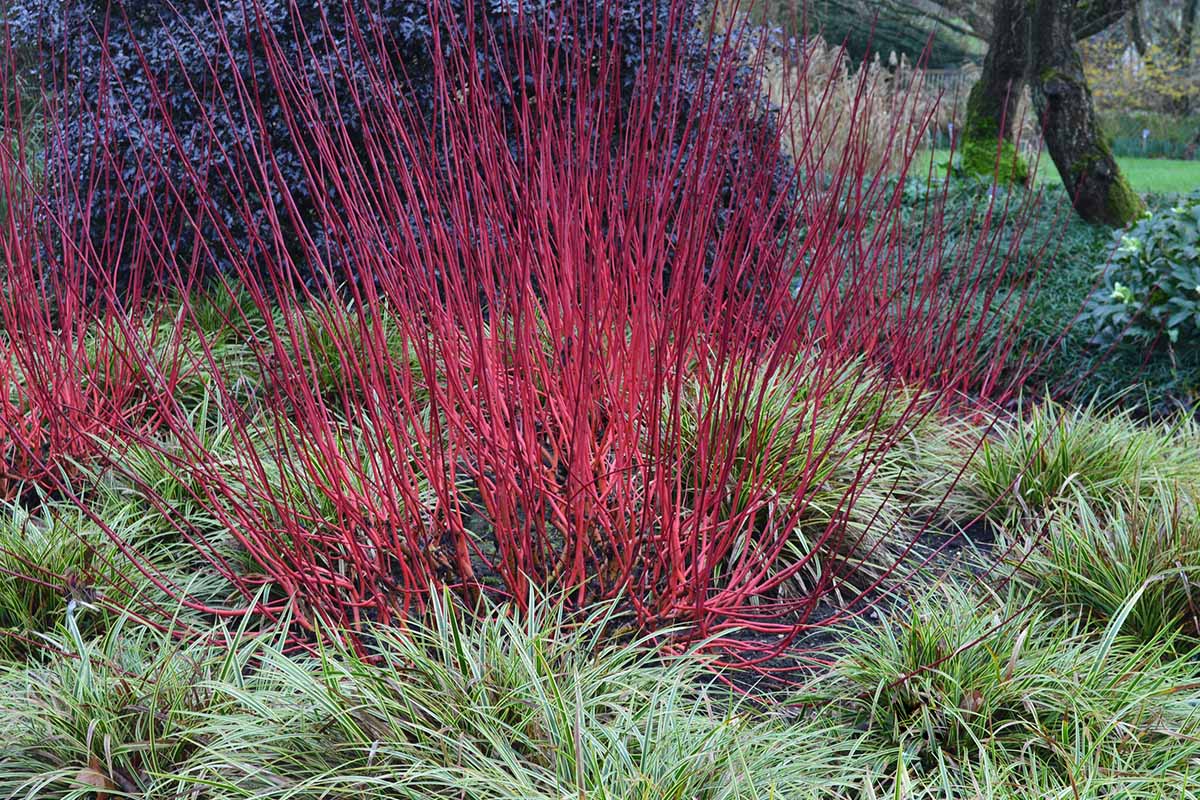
(1073, 138)
(1033, 41)
(992, 103)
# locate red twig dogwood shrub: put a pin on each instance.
(610, 349)
(78, 360)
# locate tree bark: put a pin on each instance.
(1183, 50)
(1136, 33)
(992, 103)
(1064, 106)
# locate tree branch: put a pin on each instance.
(1094, 16)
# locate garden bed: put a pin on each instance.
(378, 424)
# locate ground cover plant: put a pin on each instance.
(489, 707)
(1141, 553)
(1049, 453)
(549, 433)
(481, 703)
(1066, 326)
(1001, 698)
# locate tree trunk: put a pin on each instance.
(1064, 107)
(1183, 50)
(1136, 33)
(992, 104)
(1187, 30)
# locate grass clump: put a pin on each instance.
(339, 348)
(118, 715)
(1052, 452)
(43, 558)
(955, 698)
(550, 706)
(492, 705)
(1004, 695)
(1139, 561)
(863, 459)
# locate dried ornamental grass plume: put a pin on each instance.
(819, 89)
(572, 328)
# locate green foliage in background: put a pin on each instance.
(1151, 286)
(1048, 245)
(1171, 136)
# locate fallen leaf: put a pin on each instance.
(92, 775)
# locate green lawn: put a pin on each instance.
(1161, 175)
(1157, 175)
